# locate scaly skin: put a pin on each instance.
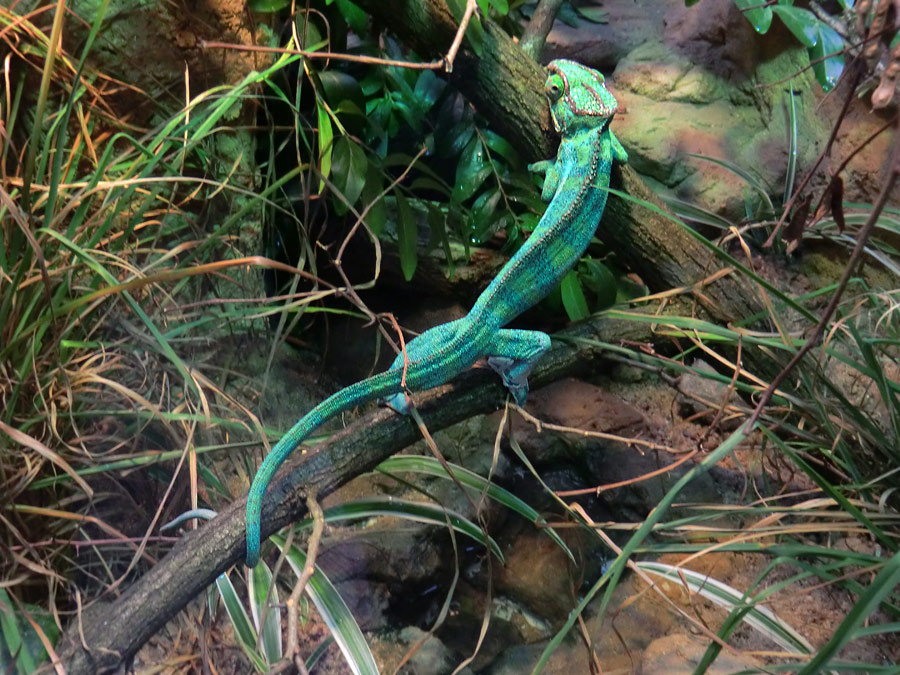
(575, 185)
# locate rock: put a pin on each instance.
(432, 657)
(639, 619)
(579, 404)
(399, 554)
(368, 602)
(702, 394)
(537, 575)
(700, 80)
(629, 25)
(679, 654)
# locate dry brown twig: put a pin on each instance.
(446, 62)
(893, 174)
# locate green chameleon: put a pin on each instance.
(575, 185)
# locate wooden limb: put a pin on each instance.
(506, 86)
(535, 34)
(107, 635)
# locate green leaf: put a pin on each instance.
(791, 172)
(471, 171)
(451, 143)
(420, 512)
(500, 6)
(312, 39)
(881, 586)
(349, 169)
(407, 236)
(355, 17)
(326, 147)
(573, 297)
(827, 70)
(20, 641)
(437, 224)
(243, 629)
(432, 467)
(501, 146)
(334, 613)
(265, 6)
(373, 200)
(592, 14)
(759, 17)
(428, 87)
(761, 618)
(483, 220)
(801, 22)
(259, 581)
(339, 87)
(600, 280)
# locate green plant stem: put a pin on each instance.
(43, 93)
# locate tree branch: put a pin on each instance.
(538, 28)
(114, 631)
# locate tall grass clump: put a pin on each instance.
(107, 242)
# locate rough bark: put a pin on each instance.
(506, 87)
(114, 631)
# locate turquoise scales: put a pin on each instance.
(574, 184)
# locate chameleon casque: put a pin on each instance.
(575, 185)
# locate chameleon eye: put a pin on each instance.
(554, 88)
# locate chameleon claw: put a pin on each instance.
(399, 403)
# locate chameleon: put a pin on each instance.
(575, 185)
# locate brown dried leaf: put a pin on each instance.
(795, 228)
(836, 197)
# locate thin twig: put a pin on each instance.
(857, 74)
(293, 604)
(863, 236)
(446, 62)
(457, 39)
(355, 58)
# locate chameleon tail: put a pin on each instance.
(379, 386)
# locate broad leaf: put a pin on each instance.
(801, 22)
(407, 236)
(759, 16)
(471, 171)
(349, 168)
(573, 297)
(334, 613)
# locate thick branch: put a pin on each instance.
(115, 631)
(506, 86)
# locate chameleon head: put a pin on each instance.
(578, 96)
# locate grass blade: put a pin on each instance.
(334, 612)
(432, 467)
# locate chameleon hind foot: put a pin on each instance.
(513, 355)
(399, 403)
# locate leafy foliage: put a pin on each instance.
(825, 45)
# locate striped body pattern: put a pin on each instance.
(575, 185)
